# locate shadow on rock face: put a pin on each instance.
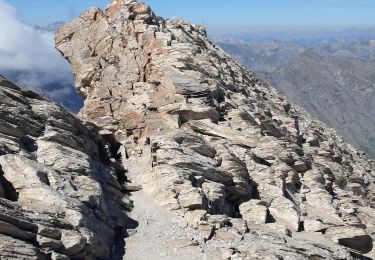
(118, 249)
(6, 188)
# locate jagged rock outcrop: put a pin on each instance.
(256, 175)
(60, 190)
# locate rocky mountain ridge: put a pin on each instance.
(233, 170)
(208, 139)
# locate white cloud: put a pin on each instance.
(29, 54)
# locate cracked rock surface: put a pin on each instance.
(60, 196)
(253, 173)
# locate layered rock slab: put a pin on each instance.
(202, 134)
(60, 193)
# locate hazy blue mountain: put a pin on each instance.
(307, 37)
(264, 56)
(339, 91)
(364, 49)
(53, 27)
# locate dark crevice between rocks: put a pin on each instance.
(260, 160)
(43, 177)
(118, 247)
(10, 192)
(103, 155)
(112, 156)
(289, 195)
(298, 186)
(152, 109)
(112, 152)
(236, 213)
(362, 244)
(255, 192)
(28, 145)
(270, 218)
(120, 172)
(108, 151)
(301, 226)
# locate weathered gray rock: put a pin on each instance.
(254, 212)
(284, 212)
(56, 175)
(11, 248)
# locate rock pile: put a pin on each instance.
(60, 184)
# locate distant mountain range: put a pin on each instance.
(334, 78)
(62, 92)
(53, 27)
(307, 37)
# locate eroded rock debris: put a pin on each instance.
(251, 175)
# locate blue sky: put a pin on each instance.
(221, 14)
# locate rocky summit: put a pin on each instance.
(219, 165)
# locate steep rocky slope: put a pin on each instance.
(335, 82)
(60, 193)
(253, 174)
(339, 91)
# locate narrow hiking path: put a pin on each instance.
(158, 234)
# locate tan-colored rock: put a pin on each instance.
(228, 235)
(73, 242)
(206, 230)
(198, 132)
(284, 212)
(193, 218)
(49, 243)
(254, 212)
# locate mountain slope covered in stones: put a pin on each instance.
(254, 174)
(229, 168)
(335, 82)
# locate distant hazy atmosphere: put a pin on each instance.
(222, 16)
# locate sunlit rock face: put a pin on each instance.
(251, 171)
(59, 187)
